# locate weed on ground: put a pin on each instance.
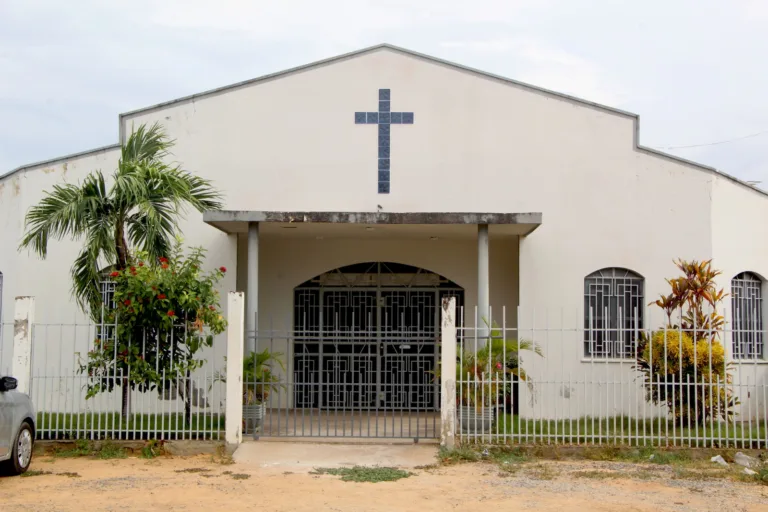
(364, 474)
(109, 450)
(35, 472)
(458, 455)
(82, 448)
(677, 464)
(197, 470)
(152, 449)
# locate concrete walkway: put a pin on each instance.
(303, 457)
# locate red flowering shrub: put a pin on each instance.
(223, 269)
(162, 320)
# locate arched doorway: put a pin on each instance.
(366, 337)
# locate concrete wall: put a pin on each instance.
(24, 273)
(739, 245)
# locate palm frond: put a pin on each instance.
(146, 143)
(86, 280)
(65, 212)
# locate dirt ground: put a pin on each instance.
(202, 483)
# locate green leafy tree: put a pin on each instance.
(137, 211)
(166, 311)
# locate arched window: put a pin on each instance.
(747, 307)
(613, 313)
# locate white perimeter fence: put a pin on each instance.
(60, 381)
(554, 381)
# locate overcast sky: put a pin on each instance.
(695, 70)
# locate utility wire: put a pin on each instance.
(713, 143)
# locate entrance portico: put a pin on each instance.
(349, 301)
(369, 228)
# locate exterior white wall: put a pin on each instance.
(739, 246)
(24, 273)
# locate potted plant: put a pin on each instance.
(259, 381)
(484, 377)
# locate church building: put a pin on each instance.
(362, 189)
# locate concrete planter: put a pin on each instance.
(254, 414)
(473, 421)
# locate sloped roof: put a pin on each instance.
(413, 54)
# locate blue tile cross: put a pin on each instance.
(384, 118)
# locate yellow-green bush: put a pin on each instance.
(692, 379)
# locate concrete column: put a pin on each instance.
(21, 365)
(252, 290)
(235, 344)
(483, 278)
(448, 373)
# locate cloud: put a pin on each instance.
(687, 67)
(544, 65)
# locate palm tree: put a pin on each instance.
(141, 206)
(138, 211)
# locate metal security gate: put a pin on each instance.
(365, 349)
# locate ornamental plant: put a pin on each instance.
(486, 375)
(137, 211)
(684, 364)
(164, 312)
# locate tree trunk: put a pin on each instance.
(126, 400)
(122, 262)
(187, 401)
(121, 246)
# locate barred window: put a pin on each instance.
(747, 308)
(613, 313)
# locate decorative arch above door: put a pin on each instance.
(366, 337)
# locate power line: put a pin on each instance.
(713, 143)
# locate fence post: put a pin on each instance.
(23, 318)
(235, 341)
(448, 373)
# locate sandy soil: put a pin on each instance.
(200, 483)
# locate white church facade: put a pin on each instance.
(362, 189)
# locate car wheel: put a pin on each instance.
(22, 450)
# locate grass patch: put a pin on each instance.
(457, 455)
(762, 475)
(109, 450)
(240, 476)
(85, 448)
(683, 473)
(597, 475)
(82, 448)
(509, 455)
(60, 426)
(152, 449)
(197, 470)
(364, 474)
(35, 472)
(70, 474)
(625, 430)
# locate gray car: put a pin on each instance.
(17, 428)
